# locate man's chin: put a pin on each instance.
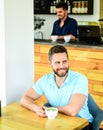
(61, 75)
(60, 17)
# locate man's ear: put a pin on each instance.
(49, 62)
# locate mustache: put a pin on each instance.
(62, 69)
(59, 15)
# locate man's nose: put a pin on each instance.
(61, 65)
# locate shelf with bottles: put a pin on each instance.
(82, 7)
(75, 6)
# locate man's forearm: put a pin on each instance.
(67, 110)
(29, 103)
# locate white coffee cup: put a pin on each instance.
(54, 38)
(67, 38)
(51, 112)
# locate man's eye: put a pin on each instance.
(57, 63)
(64, 62)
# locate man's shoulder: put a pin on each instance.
(56, 21)
(71, 19)
(77, 74)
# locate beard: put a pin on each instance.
(61, 17)
(61, 74)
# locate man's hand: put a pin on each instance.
(41, 111)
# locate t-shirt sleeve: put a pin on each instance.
(81, 86)
(39, 86)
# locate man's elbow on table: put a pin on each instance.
(23, 101)
(26, 101)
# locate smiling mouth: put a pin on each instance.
(62, 71)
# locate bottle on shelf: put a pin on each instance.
(82, 8)
(74, 8)
(54, 4)
(69, 6)
(57, 1)
(86, 7)
(79, 7)
(52, 8)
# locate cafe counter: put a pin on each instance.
(72, 43)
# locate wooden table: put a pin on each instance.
(16, 117)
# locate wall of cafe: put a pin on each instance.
(82, 19)
(16, 49)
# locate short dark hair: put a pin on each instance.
(57, 49)
(62, 5)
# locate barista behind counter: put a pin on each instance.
(64, 25)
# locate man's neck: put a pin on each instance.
(60, 80)
(62, 21)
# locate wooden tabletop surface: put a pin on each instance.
(16, 117)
